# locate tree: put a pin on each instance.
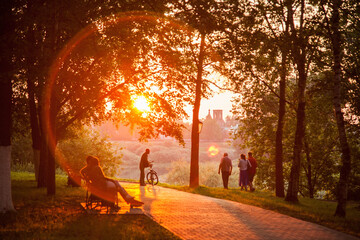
(7, 31)
(335, 36)
(46, 39)
(351, 86)
(303, 39)
(320, 141)
(113, 64)
(277, 18)
(205, 18)
(262, 44)
(342, 23)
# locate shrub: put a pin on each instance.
(71, 153)
(23, 167)
(179, 173)
(21, 150)
(209, 175)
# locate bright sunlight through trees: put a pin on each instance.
(141, 104)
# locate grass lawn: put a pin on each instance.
(312, 210)
(60, 217)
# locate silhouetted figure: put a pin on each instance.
(144, 163)
(243, 166)
(252, 170)
(226, 169)
(94, 173)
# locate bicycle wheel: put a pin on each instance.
(152, 178)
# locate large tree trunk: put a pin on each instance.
(194, 164)
(6, 204)
(43, 156)
(7, 30)
(342, 187)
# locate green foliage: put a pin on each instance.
(73, 151)
(257, 127)
(321, 150)
(23, 167)
(354, 180)
(257, 118)
(22, 151)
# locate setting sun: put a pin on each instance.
(141, 104)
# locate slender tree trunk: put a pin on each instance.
(34, 120)
(342, 187)
(34, 123)
(194, 164)
(299, 56)
(47, 158)
(279, 175)
(309, 169)
(293, 188)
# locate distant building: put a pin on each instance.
(208, 117)
(228, 126)
(218, 116)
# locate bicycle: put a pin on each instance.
(152, 176)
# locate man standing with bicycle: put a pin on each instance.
(144, 163)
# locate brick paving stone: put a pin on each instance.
(192, 216)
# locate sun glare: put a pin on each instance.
(141, 104)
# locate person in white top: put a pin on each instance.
(243, 166)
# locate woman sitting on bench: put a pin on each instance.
(94, 173)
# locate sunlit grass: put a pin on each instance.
(312, 210)
(60, 217)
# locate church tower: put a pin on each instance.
(217, 114)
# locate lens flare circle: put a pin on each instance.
(213, 150)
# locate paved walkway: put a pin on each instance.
(192, 216)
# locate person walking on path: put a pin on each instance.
(144, 163)
(226, 168)
(252, 170)
(243, 166)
